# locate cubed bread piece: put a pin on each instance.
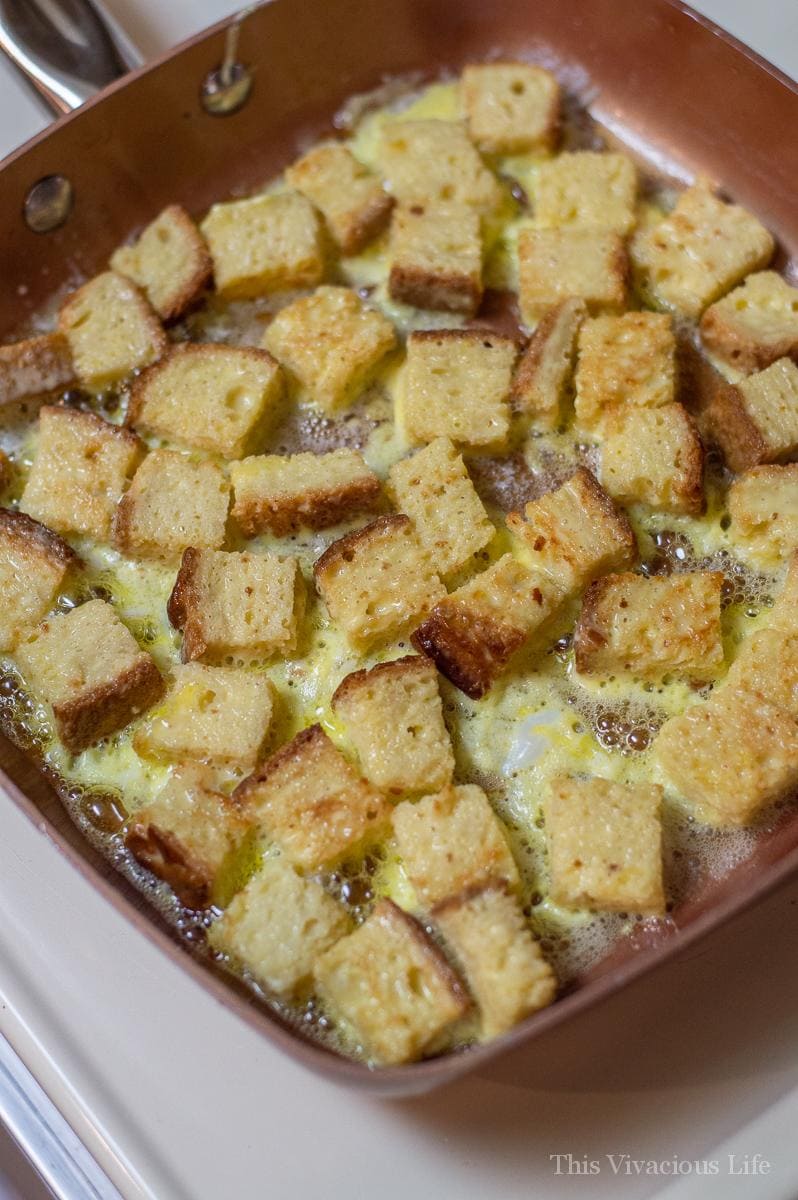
(187, 835)
(730, 756)
(699, 251)
(664, 625)
(264, 244)
(624, 361)
(331, 343)
(654, 456)
(349, 196)
(376, 580)
(587, 190)
(767, 668)
(237, 605)
(172, 503)
(111, 330)
(312, 803)
(220, 398)
(451, 841)
(434, 162)
(457, 385)
(284, 493)
(575, 533)
(756, 421)
(394, 718)
(391, 985)
(169, 261)
(82, 467)
(565, 264)
(605, 845)
(763, 506)
(88, 666)
(753, 325)
(545, 368)
(436, 257)
(511, 107)
(34, 563)
(278, 926)
(213, 714)
(501, 962)
(435, 490)
(472, 633)
(37, 365)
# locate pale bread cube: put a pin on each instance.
(587, 190)
(376, 580)
(436, 257)
(171, 504)
(763, 506)
(605, 845)
(210, 714)
(111, 329)
(565, 264)
(394, 718)
(756, 421)
(237, 605)
(278, 926)
(511, 107)
(457, 385)
(654, 456)
(700, 250)
(435, 490)
(349, 196)
(34, 564)
(545, 368)
(220, 398)
(784, 613)
(450, 841)
(433, 162)
(501, 962)
(88, 666)
(82, 467)
(624, 361)
(753, 325)
(767, 668)
(331, 344)
(169, 261)
(312, 803)
(264, 244)
(35, 366)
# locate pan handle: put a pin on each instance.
(64, 48)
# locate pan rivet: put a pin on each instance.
(48, 203)
(226, 89)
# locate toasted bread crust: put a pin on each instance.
(433, 954)
(470, 892)
(441, 293)
(370, 221)
(409, 664)
(533, 357)
(612, 512)
(303, 743)
(470, 651)
(183, 600)
(318, 508)
(162, 853)
(101, 711)
(690, 486)
(34, 366)
(32, 533)
(729, 425)
(343, 549)
(731, 343)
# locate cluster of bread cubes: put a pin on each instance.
(189, 464)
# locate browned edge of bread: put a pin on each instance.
(107, 707)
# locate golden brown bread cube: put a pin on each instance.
(624, 361)
(169, 261)
(756, 421)
(605, 845)
(284, 493)
(753, 325)
(82, 467)
(187, 835)
(210, 714)
(457, 385)
(587, 190)
(34, 366)
(435, 490)
(331, 344)
(654, 456)
(236, 605)
(433, 162)
(450, 841)
(546, 366)
(651, 627)
(278, 926)
(264, 244)
(171, 504)
(500, 961)
(111, 330)
(565, 264)
(312, 803)
(34, 564)
(763, 506)
(349, 196)
(391, 985)
(767, 668)
(699, 251)
(88, 666)
(511, 107)
(436, 257)
(394, 718)
(220, 398)
(376, 580)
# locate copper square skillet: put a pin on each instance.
(683, 95)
